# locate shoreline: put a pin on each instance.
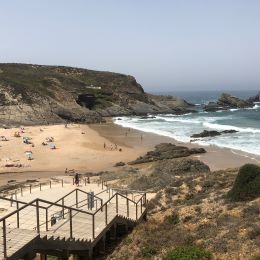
(217, 158)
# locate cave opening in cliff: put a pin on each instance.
(86, 100)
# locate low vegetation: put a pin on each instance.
(247, 183)
(191, 217)
(188, 253)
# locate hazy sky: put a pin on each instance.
(166, 45)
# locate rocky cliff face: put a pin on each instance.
(35, 94)
(227, 101)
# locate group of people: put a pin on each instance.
(111, 147)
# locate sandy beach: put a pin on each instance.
(81, 148)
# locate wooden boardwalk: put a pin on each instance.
(73, 224)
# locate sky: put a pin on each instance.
(166, 45)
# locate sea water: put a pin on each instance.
(181, 127)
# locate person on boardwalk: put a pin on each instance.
(77, 179)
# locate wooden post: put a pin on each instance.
(141, 206)
(85, 181)
(71, 231)
(37, 216)
(102, 184)
(106, 213)
(50, 184)
(63, 208)
(4, 239)
(116, 203)
(77, 198)
(21, 191)
(46, 219)
(17, 215)
(136, 209)
(62, 183)
(40, 186)
(127, 204)
(101, 202)
(93, 226)
(30, 188)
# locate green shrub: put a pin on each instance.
(172, 219)
(148, 251)
(247, 183)
(188, 253)
(256, 257)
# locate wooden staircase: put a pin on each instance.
(77, 230)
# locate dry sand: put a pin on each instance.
(78, 147)
(81, 147)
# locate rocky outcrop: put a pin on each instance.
(181, 166)
(168, 172)
(227, 101)
(213, 133)
(206, 133)
(35, 94)
(256, 98)
(167, 151)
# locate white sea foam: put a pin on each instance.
(182, 127)
(228, 127)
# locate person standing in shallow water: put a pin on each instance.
(77, 179)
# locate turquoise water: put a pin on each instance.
(246, 121)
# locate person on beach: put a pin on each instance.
(104, 145)
(77, 179)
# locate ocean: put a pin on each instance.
(181, 127)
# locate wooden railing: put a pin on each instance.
(39, 217)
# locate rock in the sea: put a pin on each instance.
(206, 133)
(212, 133)
(167, 151)
(256, 98)
(227, 101)
(232, 131)
(212, 107)
(147, 117)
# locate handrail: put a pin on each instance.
(36, 202)
(95, 196)
(17, 210)
(75, 190)
(19, 201)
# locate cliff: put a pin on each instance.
(36, 94)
